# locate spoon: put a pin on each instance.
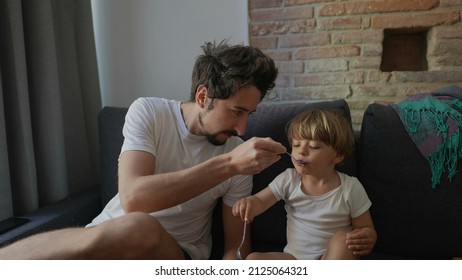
(300, 162)
(238, 255)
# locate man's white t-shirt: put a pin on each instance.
(155, 125)
(313, 220)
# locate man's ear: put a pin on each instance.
(201, 96)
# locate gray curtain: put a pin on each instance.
(49, 101)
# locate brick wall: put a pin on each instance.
(333, 49)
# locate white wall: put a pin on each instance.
(148, 47)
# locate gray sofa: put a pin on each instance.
(413, 221)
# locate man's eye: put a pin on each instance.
(237, 113)
(314, 147)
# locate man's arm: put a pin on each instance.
(142, 190)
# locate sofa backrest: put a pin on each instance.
(110, 124)
(412, 219)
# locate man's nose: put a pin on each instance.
(241, 127)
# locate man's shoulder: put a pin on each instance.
(153, 101)
(152, 105)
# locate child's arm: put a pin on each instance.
(362, 238)
(249, 207)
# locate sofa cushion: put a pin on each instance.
(269, 229)
(412, 219)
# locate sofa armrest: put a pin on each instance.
(74, 211)
(412, 219)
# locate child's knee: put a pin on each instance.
(338, 239)
(337, 248)
(253, 256)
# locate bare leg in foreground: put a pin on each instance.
(133, 236)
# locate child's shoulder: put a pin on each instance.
(287, 178)
(348, 180)
(290, 172)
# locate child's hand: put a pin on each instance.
(361, 241)
(249, 207)
(244, 209)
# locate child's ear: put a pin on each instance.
(339, 158)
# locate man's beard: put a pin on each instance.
(212, 138)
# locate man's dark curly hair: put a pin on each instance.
(225, 69)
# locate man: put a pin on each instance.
(177, 159)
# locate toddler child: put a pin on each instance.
(327, 211)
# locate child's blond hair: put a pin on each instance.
(328, 126)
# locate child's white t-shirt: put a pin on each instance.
(313, 220)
